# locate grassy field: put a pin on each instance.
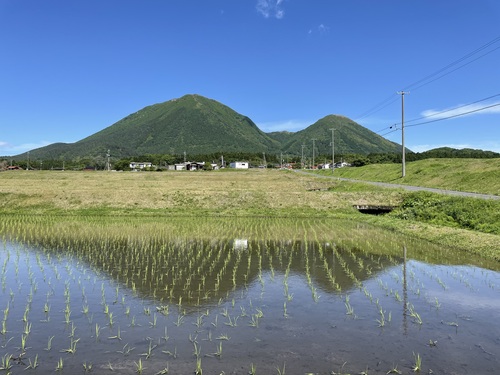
(234, 193)
(472, 175)
(462, 222)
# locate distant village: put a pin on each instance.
(185, 166)
(195, 166)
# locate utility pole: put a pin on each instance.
(302, 158)
(108, 156)
(333, 150)
(265, 162)
(312, 167)
(403, 159)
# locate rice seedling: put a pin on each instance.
(6, 364)
(232, 322)
(23, 343)
(118, 335)
(349, 309)
(60, 364)
(199, 321)
(163, 371)
(172, 354)
(111, 320)
(417, 366)
(72, 347)
(180, 320)
(436, 303)
(416, 316)
(394, 370)
(153, 322)
(281, 371)
(85, 309)
(150, 349)
(49, 343)
(97, 332)
(341, 370)
(253, 369)
(198, 370)
(218, 352)
(381, 321)
(32, 365)
(126, 350)
(87, 367)
(196, 349)
(165, 334)
(139, 367)
(254, 322)
(72, 330)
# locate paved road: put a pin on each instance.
(409, 187)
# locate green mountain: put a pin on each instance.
(198, 125)
(192, 124)
(349, 138)
(282, 137)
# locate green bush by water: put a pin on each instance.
(466, 213)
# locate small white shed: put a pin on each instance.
(239, 165)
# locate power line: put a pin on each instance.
(392, 131)
(440, 113)
(451, 71)
(377, 108)
(453, 109)
(427, 79)
(457, 115)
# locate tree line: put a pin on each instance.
(254, 159)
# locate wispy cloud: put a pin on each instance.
(462, 110)
(322, 29)
(270, 8)
(287, 125)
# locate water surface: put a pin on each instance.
(326, 298)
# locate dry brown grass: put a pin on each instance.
(222, 191)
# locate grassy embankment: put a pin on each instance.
(443, 218)
(471, 175)
(256, 193)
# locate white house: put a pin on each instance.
(239, 165)
(140, 165)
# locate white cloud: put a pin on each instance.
(321, 29)
(287, 125)
(462, 110)
(270, 8)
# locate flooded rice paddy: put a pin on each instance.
(241, 297)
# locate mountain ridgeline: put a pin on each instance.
(198, 125)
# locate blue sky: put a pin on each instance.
(69, 68)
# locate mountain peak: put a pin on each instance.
(199, 125)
